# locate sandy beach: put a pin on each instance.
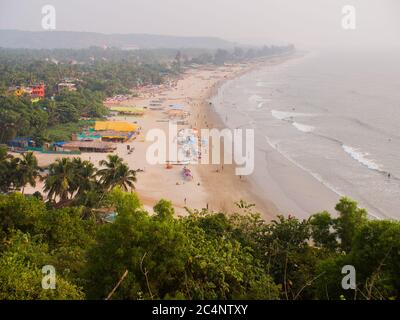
(212, 187)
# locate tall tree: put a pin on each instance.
(61, 180)
(351, 217)
(84, 175)
(116, 174)
(27, 170)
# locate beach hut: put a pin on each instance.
(122, 126)
(89, 146)
(21, 143)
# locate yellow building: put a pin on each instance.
(122, 126)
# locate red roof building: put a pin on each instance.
(38, 91)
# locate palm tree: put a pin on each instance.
(27, 170)
(84, 175)
(61, 179)
(116, 173)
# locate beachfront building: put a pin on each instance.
(89, 146)
(35, 91)
(21, 143)
(115, 131)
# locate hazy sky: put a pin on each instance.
(302, 22)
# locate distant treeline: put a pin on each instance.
(113, 70)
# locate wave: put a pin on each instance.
(320, 179)
(361, 157)
(303, 127)
(260, 105)
(285, 115)
(313, 174)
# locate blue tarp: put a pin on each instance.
(59, 143)
(176, 106)
(21, 142)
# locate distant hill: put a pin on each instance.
(77, 40)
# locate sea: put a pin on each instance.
(327, 125)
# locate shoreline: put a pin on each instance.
(217, 191)
(246, 190)
(292, 189)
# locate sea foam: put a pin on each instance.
(361, 157)
(311, 173)
(285, 115)
(303, 127)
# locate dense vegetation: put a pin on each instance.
(204, 255)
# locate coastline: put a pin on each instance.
(235, 188)
(278, 180)
(217, 190)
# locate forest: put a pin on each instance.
(158, 255)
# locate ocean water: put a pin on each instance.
(333, 115)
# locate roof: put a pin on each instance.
(89, 144)
(115, 126)
(127, 109)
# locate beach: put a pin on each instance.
(213, 186)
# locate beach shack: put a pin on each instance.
(89, 146)
(176, 111)
(21, 143)
(115, 131)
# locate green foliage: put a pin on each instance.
(20, 272)
(68, 237)
(60, 181)
(63, 132)
(204, 255)
(164, 209)
(350, 219)
(16, 173)
(18, 116)
(150, 249)
(219, 267)
(375, 254)
(321, 230)
(19, 213)
(116, 174)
